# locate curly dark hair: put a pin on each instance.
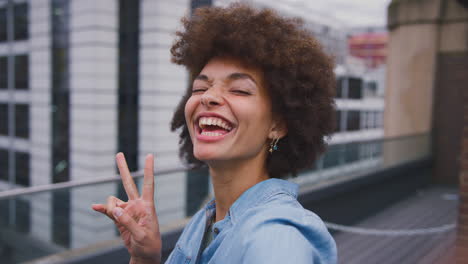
(298, 75)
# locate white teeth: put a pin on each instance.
(208, 121)
(211, 134)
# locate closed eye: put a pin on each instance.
(241, 92)
(199, 90)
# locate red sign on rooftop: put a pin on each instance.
(372, 47)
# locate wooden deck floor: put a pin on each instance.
(428, 208)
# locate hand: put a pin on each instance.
(136, 219)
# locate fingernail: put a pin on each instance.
(117, 212)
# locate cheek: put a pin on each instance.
(257, 117)
(190, 108)
(259, 112)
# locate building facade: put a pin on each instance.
(81, 80)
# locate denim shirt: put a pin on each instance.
(266, 224)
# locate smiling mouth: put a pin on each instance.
(213, 127)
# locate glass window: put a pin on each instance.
(370, 119)
(22, 120)
(21, 72)
(3, 72)
(60, 91)
(366, 150)
(5, 220)
(128, 83)
(23, 216)
(338, 121)
(332, 156)
(372, 88)
(3, 24)
(4, 164)
(200, 3)
(339, 87)
(354, 88)
(4, 119)
(364, 118)
(61, 221)
(379, 119)
(20, 17)
(128, 132)
(22, 168)
(325, 30)
(352, 152)
(353, 120)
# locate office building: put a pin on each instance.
(81, 80)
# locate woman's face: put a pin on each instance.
(229, 113)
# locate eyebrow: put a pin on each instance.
(240, 76)
(232, 77)
(202, 77)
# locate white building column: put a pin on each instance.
(40, 115)
(162, 84)
(93, 118)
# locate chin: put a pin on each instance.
(209, 156)
(204, 155)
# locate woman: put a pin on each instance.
(258, 109)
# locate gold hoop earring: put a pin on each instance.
(274, 145)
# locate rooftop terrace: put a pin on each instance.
(427, 209)
(370, 184)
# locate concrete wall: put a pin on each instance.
(416, 39)
(408, 99)
(410, 67)
(429, 54)
(427, 40)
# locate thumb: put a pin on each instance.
(129, 223)
(117, 212)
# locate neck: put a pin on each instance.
(233, 179)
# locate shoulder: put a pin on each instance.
(280, 211)
(283, 226)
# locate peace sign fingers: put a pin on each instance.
(136, 218)
(127, 180)
(148, 180)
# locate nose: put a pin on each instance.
(211, 98)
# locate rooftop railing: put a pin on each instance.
(57, 220)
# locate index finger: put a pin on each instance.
(148, 180)
(127, 180)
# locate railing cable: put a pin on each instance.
(390, 232)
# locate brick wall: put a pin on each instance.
(462, 236)
(448, 115)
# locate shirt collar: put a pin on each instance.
(261, 192)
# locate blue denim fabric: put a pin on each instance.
(266, 224)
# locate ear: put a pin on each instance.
(278, 129)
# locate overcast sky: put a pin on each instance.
(352, 12)
(348, 13)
